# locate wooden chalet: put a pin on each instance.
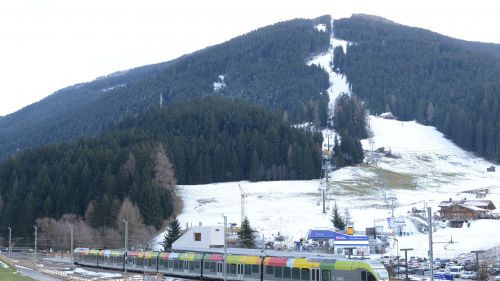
(466, 209)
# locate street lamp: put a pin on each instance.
(126, 243)
(71, 245)
(225, 249)
(397, 254)
(36, 237)
(10, 241)
(477, 259)
(406, 260)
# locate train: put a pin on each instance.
(241, 264)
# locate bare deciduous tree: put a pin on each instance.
(164, 173)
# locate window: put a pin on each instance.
(296, 273)
(206, 265)
(363, 275)
(278, 272)
(197, 264)
(269, 269)
(304, 274)
(232, 268)
(248, 269)
(287, 272)
(371, 277)
(213, 267)
(197, 236)
(326, 275)
(255, 269)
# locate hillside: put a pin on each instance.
(265, 66)
(418, 74)
(197, 141)
(429, 169)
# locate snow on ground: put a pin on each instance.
(338, 82)
(291, 208)
(88, 273)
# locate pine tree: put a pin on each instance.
(245, 234)
(336, 219)
(173, 233)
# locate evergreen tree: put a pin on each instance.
(245, 234)
(336, 219)
(173, 233)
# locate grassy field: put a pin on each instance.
(8, 274)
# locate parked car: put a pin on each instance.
(466, 274)
(497, 278)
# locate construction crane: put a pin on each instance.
(244, 196)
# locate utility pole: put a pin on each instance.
(126, 244)
(477, 260)
(393, 199)
(431, 254)
(71, 245)
(10, 241)
(36, 237)
(406, 260)
(224, 267)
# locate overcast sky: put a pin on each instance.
(46, 45)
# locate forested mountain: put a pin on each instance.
(201, 140)
(417, 74)
(266, 66)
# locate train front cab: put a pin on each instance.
(86, 256)
(142, 261)
(111, 259)
(180, 264)
(278, 268)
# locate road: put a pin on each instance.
(35, 274)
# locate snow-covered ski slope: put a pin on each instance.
(427, 169)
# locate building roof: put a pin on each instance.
(483, 204)
(472, 208)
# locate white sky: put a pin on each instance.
(46, 45)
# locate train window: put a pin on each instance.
(287, 272)
(296, 273)
(304, 274)
(232, 268)
(363, 275)
(248, 269)
(177, 264)
(269, 269)
(206, 265)
(371, 277)
(255, 268)
(213, 267)
(171, 264)
(197, 264)
(326, 275)
(191, 265)
(278, 272)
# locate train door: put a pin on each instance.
(220, 272)
(315, 274)
(186, 266)
(240, 271)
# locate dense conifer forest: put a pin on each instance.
(417, 74)
(265, 66)
(211, 139)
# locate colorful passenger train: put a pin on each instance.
(199, 265)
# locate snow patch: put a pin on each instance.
(111, 88)
(219, 85)
(320, 27)
(89, 273)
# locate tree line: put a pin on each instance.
(199, 141)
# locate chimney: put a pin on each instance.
(199, 224)
(450, 199)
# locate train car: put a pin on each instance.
(239, 267)
(322, 269)
(86, 256)
(180, 264)
(142, 261)
(111, 259)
